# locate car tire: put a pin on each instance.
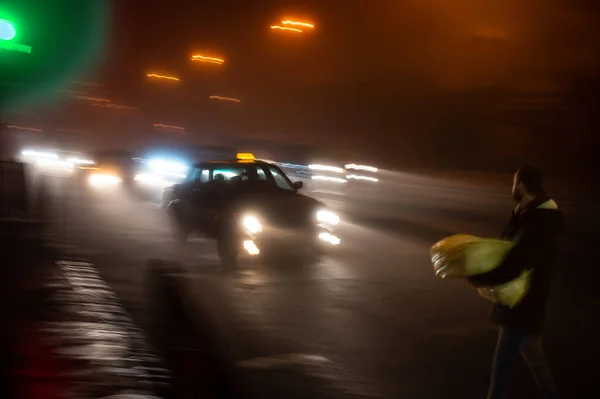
(228, 243)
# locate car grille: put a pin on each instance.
(292, 220)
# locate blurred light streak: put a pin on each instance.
(157, 76)
(329, 178)
(204, 58)
(361, 167)
(291, 165)
(96, 99)
(39, 154)
(115, 106)
(30, 129)
(168, 126)
(295, 23)
(326, 168)
(235, 100)
(359, 177)
(284, 28)
(79, 161)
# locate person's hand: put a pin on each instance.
(472, 281)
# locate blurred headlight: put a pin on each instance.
(251, 224)
(328, 217)
(100, 180)
(152, 180)
(251, 247)
(330, 238)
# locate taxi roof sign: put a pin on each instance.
(245, 156)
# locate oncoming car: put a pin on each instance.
(249, 207)
(111, 170)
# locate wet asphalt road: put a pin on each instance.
(371, 319)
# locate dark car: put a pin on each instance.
(249, 207)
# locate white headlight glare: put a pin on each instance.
(100, 180)
(79, 161)
(330, 238)
(328, 217)
(251, 224)
(151, 180)
(251, 247)
(162, 165)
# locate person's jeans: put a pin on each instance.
(511, 343)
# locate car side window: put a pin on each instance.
(261, 174)
(204, 175)
(192, 175)
(198, 175)
(280, 180)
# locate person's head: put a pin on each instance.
(251, 174)
(527, 183)
(219, 177)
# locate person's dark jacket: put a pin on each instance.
(534, 228)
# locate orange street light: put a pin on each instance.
(154, 75)
(169, 127)
(295, 23)
(285, 28)
(235, 100)
(210, 60)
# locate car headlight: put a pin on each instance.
(101, 180)
(328, 217)
(251, 224)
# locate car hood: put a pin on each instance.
(281, 209)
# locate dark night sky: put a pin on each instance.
(382, 75)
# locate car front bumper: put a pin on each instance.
(278, 240)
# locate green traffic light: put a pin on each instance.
(7, 30)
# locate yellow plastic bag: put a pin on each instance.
(447, 255)
(509, 294)
(463, 255)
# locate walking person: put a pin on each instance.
(534, 225)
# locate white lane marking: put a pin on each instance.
(291, 359)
